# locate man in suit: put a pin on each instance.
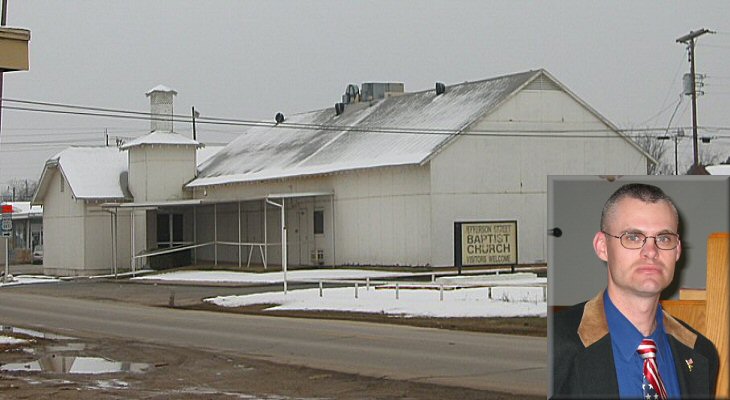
(621, 344)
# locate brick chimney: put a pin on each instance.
(161, 99)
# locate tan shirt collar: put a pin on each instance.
(593, 326)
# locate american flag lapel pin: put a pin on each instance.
(690, 364)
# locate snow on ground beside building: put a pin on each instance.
(11, 340)
(27, 279)
(417, 299)
(505, 295)
(472, 302)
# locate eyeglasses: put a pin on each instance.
(636, 240)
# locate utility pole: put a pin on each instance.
(689, 40)
(3, 21)
(195, 115)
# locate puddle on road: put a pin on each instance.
(63, 357)
(58, 364)
(10, 330)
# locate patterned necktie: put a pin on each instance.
(647, 351)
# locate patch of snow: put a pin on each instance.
(157, 138)
(718, 169)
(28, 279)
(11, 340)
(472, 302)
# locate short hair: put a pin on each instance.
(639, 191)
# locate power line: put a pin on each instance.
(135, 115)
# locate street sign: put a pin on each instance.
(7, 221)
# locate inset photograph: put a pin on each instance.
(639, 285)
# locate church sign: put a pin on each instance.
(485, 243)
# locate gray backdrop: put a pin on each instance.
(575, 273)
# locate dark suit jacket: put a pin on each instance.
(583, 364)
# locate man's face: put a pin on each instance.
(641, 272)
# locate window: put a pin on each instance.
(169, 230)
(319, 222)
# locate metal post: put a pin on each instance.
(266, 237)
(283, 237)
(111, 231)
(283, 242)
(215, 234)
(195, 234)
(115, 245)
(133, 244)
(195, 136)
(239, 238)
(7, 258)
(4, 19)
(334, 240)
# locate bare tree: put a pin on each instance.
(657, 149)
(19, 190)
(710, 157)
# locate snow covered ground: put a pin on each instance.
(472, 302)
(11, 340)
(26, 279)
(486, 295)
(524, 295)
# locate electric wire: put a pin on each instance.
(324, 127)
(664, 105)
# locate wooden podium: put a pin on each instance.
(708, 310)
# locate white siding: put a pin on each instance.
(159, 172)
(383, 217)
(77, 236)
(63, 226)
(505, 177)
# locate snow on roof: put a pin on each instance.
(160, 88)
(93, 172)
(158, 138)
(322, 142)
(722, 169)
(96, 172)
(203, 154)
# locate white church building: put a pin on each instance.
(380, 179)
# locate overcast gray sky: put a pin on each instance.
(252, 59)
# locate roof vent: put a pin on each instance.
(352, 94)
(381, 90)
(339, 108)
(279, 118)
(440, 88)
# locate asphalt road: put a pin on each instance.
(504, 363)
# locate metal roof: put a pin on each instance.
(161, 138)
(95, 173)
(400, 130)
